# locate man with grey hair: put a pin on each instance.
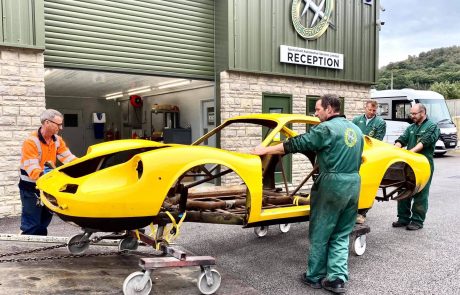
(41, 147)
(420, 137)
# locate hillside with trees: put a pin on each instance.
(437, 70)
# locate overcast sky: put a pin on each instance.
(415, 26)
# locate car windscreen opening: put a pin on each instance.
(103, 162)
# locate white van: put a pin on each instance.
(395, 105)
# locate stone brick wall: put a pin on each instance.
(241, 93)
(22, 99)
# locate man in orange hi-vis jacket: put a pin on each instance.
(43, 145)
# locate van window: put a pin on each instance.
(382, 110)
(437, 110)
(401, 111)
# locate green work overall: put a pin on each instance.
(375, 128)
(334, 195)
(427, 133)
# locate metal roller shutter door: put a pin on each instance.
(173, 38)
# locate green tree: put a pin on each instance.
(441, 65)
(447, 89)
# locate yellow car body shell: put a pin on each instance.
(118, 191)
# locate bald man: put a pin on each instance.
(420, 137)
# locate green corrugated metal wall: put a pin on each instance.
(257, 28)
(174, 38)
(22, 23)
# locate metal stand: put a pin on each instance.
(139, 282)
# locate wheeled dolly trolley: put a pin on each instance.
(357, 236)
(140, 282)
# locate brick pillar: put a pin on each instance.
(22, 99)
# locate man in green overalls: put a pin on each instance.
(373, 126)
(369, 123)
(334, 195)
(420, 137)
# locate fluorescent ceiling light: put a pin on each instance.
(114, 95)
(180, 83)
(170, 82)
(139, 90)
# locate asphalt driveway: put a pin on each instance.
(396, 261)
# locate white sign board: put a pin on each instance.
(310, 57)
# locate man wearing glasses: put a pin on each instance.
(42, 146)
(420, 137)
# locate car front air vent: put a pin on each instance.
(69, 188)
(140, 169)
(51, 199)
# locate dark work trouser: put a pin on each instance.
(34, 218)
(414, 209)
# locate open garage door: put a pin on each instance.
(80, 94)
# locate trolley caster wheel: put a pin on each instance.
(128, 243)
(209, 286)
(81, 246)
(261, 231)
(359, 245)
(284, 228)
(136, 284)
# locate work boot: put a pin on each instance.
(310, 283)
(336, 286)
(399, 224)
(414, 226)
(360, 219)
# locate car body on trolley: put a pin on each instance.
(129, 184)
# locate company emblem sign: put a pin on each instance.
(317, 15)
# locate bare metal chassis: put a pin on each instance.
(229, 204)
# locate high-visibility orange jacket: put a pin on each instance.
(36, 152)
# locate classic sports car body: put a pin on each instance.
(128, 184)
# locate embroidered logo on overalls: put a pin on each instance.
(350, 137)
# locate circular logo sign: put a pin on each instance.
(318, 15)
(350, 137)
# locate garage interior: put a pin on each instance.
(100, 106)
